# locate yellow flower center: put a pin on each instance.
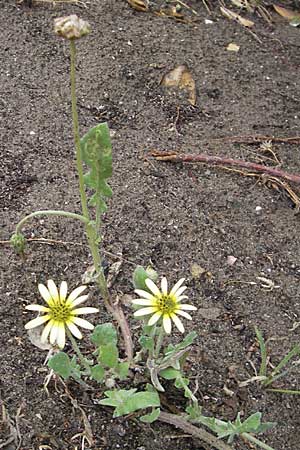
(167, 304)
(60, 312)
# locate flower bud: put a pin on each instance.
(71, 27)
(18, 241)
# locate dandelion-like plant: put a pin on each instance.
(61, 313)
(163, 304)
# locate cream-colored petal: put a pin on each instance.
(45, 293)
(83, 323)
(86, 310)
(152, 286)
(52, 288)
(74, 330)
(181, 297)
(37, 308)
(46, 331)
(63, 290)
(164, 286)
(61, 337)
(180, 291)
(79, 300)
(187, 307)
(144, 294)
(176, 286)
(167, 324)
(153, 319)
(36, 322)
(74, 294)
(54, 332)
(145, 311)
(142, 302)
(184, 314)
(178, 323)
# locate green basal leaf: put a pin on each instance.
(140, 275)
(151, 417)
(61, 364)
(75, 369)
(170, 373)
(122, 369)
(129, 401)
(96, 153)
(109, 355)
(147, 342)
(104, 334)
(97, 373)
(194, 411)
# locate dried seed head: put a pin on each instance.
(71, 27)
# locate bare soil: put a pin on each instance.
(169, 215)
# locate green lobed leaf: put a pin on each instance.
(129, 401)
(61, 364)
(122, 369)
(151, 417)
(188, 340)
(104, 334)
(170, 373)
(147, 342)
(96, 153)
(109, 355)
(140, 275)
(97, 373)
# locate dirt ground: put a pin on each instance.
(165, 214)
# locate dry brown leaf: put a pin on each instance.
(139, 5)
(286, 13)
(181, 78)
(233, 16)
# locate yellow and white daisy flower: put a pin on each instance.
(163, 304)
(61, 312)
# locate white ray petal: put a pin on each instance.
(79, 300)
(86, 310)
(52, 288)
(83, 323)
(167, 323)
(46, 331)
(164, 286)
(153, 319)
(180, 291)
(54, 332)
(145, 311)
(184, 314)
(63, 290)
(152, 286)
(37, 322)
(176, 286)
(37, 308)
(144, 294)
(178, 323)
(74, 294)
(74, 330)
(181, 297)
(187, 307)
(45, 293)
(142, 302)
(61, 337)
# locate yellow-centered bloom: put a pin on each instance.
(61, 312)
(163, 304)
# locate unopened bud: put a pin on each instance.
(71, 27)
(18, 241)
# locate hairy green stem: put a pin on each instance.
(256, 441)
(160, 339)
(92, 227)
(51, 212)
(78, 352)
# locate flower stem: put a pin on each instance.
(78, 352)
(51, 212)
(256, 441)
(160, 338)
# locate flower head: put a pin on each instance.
(71, 27)
(61, 312)
(163, 304)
